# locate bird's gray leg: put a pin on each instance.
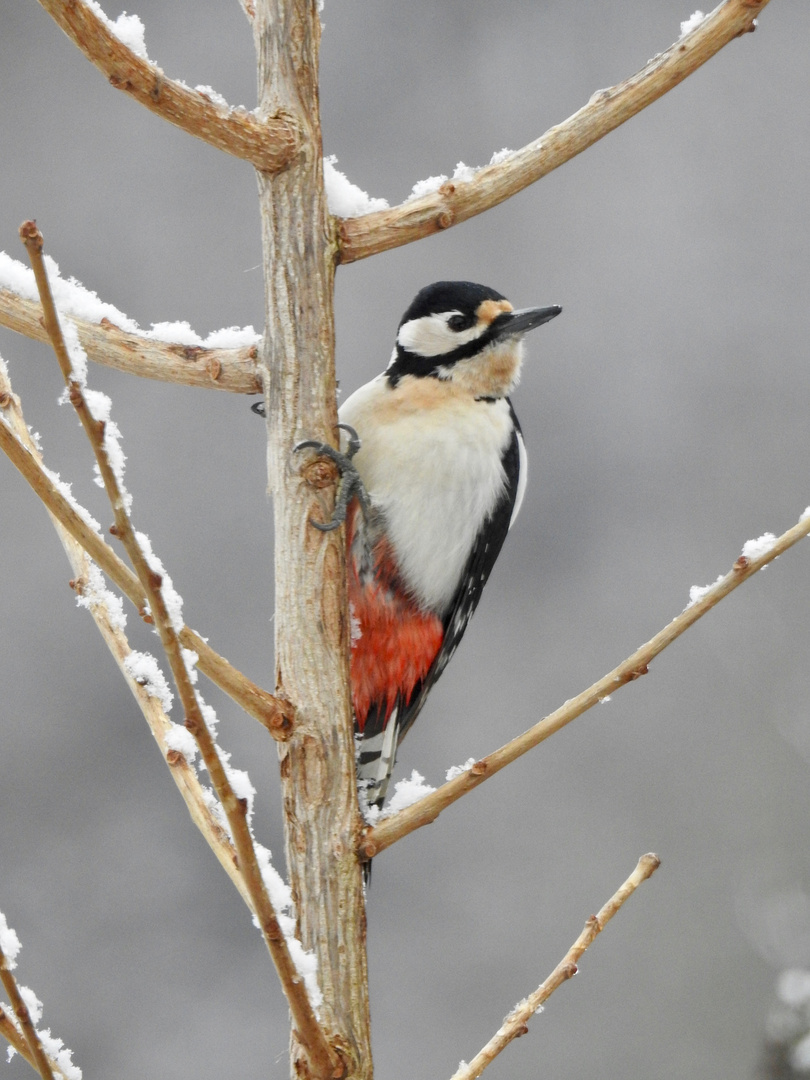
(350, 485)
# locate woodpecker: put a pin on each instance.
(431, 483)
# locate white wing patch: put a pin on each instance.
(523, 476)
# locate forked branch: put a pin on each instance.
(269, 143)
(516, 1023)
(323, 1059)
(457, 200)
(391, 829)
(190, 365)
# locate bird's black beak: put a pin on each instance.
(512, 323)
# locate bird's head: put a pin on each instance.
(464, 333)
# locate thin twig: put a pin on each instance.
(41, 1062)
(272, 712)
(183, 773)
(269, 143)
(324, 1060)
(235, 370)
(457, 200)
(14, 1038)
(426, 810)
(516, 1023)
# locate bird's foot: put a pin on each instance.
(350, 485)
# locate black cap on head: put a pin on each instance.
(465, 296)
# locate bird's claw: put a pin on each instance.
(349, 486)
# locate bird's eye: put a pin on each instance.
(459, 322)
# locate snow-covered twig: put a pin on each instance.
(456, 200)
(269, 142)
(166, 619)
(274, 713)
(12, 422)
(9, 1032)
(30, 1034)
(516, 1023)
(391, 829)
(233, 369)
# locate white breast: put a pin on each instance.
(431, 461)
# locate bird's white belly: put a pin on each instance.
(431, 461)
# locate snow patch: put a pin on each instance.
(688, 25)
(457, 770)
(171, 597)
(144, 669)
(755, 549)
(129, 29)
(95, 592)
(9, 943)
(426, 187)
(73, 299)
(407, 792)
(697, 592)
(180, 739)
(344, 198)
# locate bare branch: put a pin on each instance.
(457, 200)
(269, 143)
(516, 1023)
(391, 829)
(321, 1054)
(41, 1062)
(217, 369)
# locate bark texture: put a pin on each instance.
(311, 633)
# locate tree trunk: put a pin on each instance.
(311, 631)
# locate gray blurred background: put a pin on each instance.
(665, 414)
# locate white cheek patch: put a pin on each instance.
(431, 336)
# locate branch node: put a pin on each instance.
(445, 219)
(157, 86)
(369, 849)
(480, 767)
(281, 721)
(31, 236)
(741, 564)
(636, 673)
(5, 400)
(174, 757)
(320, 473)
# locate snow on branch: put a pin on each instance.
(45, 1053)
(274, 713)
(471, 192)
(171, 352)
(269, 143)
(516, 1023)
(765, 549)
